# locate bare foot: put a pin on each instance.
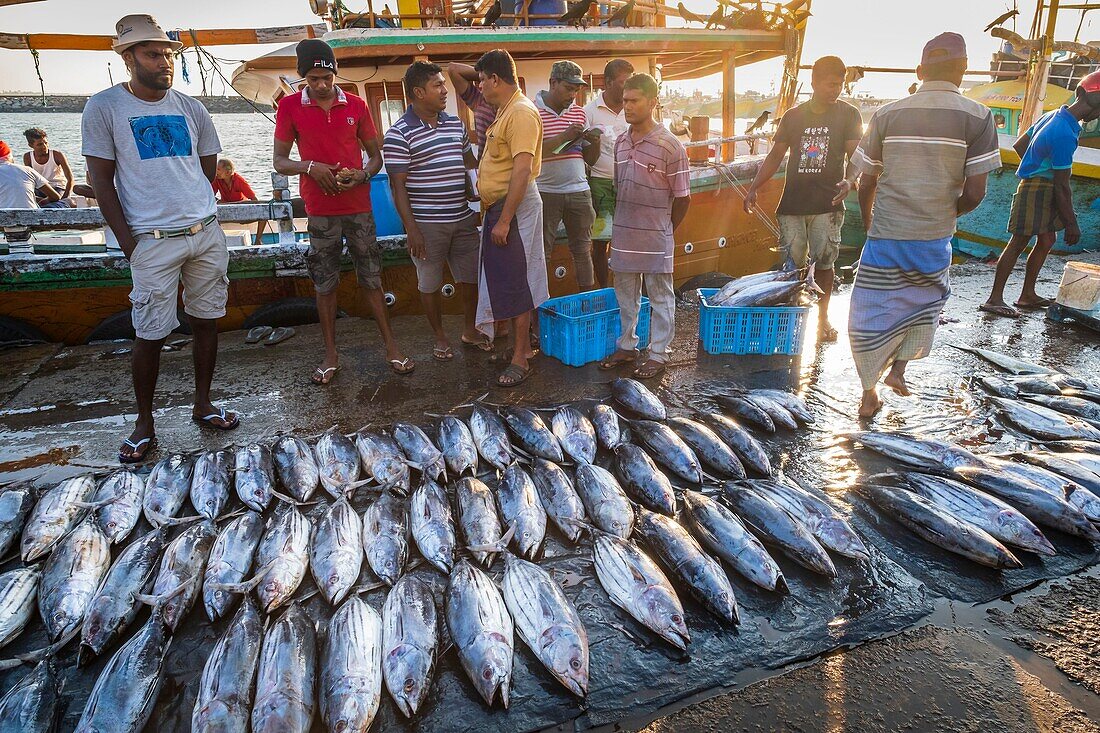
(870, 404)
(896, 382)
(826, 332)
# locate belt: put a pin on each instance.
(185, 231)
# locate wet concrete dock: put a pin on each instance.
(912, 639)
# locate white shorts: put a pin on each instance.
(811, 238)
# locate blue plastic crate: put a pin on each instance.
(750, 330)
(582, 328)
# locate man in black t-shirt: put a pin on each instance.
(821, 135)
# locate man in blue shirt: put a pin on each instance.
(1043, 204)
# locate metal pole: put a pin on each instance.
(1039, 73)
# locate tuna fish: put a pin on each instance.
(254, 476)
(351, 668)
(457, 445)
(477, 517)
(296, 467)
(748, 449)
(1053, 483)
(999, 386)
(520, 508)
(282, 557)
(774, 525)
(781, 417)
(491, 438)
(418, 448)
(682, 557)
(1086, 410)
(1043, 422)
(1005, 362)
(635, 584)
(926, 453)
(18, 593)
(230, 562)
(643, 481)
(1059, 463)
(605, 421)
(559, 498)
(739, 284)
(210, 482)
(167, 487)
(940, 527)
(16, 503)
(576, 435)
(825, 523)
(338, 462)
(53, 516)
(410, 643)
(747, 410)
(433, 527)
(795, 405)
(383, 461)
(759, 295)
(287, 676)
(481, 630)
(531, 432)
(126, 691)
(605, 501)
(636, 397)
(668, 449)
(706, 444)
(386, 537)
(224, 700)
(70, 578)
(33, 704)
(336, 551)
(1037, 505)
(179, 579)
(118, 502)
(1032, 384)
(547, 622)
(720, 531)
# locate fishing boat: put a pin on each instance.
(84, 296)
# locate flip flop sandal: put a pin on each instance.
(502, 357)
(322, 377)
(402, 366)
(443, 354)
(999, 310)
(828, 334)
(150, 444)
(280, 334)
(513, 376)
(175, 345)
(207, 421)
(1044, 303)
(483, 345)
(649, 372)
(612, 363)
(258, 334)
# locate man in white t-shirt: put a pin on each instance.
(20, 188)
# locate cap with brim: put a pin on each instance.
(944, 47)
(1090, 84)
(568, 72)
(141, 28)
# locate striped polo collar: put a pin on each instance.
(412, 119)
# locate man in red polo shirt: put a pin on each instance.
(331, 128)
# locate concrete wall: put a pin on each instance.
(75, 103)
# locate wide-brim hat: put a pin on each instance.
(140, 28)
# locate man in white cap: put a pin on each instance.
(152, 153)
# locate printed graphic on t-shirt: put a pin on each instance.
(814, 152)
(161, 136)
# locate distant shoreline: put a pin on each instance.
(33, 103)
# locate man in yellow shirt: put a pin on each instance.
(512, 282)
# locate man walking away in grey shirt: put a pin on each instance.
(152, 153)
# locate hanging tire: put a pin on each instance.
(120, 326)
(285, 312)
(704, 280)
(12, 330)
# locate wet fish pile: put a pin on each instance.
(667, 503)
(772, 288)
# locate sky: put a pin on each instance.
(862, 32)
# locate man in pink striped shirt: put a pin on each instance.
(654, 190)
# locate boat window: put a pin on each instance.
(350, 89)
(1000, 121)
(387, 104)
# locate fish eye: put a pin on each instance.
(676, 619)
(410, 684)
(575, 663)
(488, 673)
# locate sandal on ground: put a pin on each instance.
(612, 362)
(444, 354)
(1038, 305)
(828, 333)
(505, 357)
(649, 370)
(322, 377)
(402, 366)
(513, 375)
(257, 334)
(132, 452)
(277, 336)
(999, 310)
(226, 423)
(482, 344)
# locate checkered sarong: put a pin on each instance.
(1033, 211)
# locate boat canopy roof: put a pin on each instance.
(1010, 95)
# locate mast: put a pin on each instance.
(788, 87)
(1038, 72)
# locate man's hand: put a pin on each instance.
(325, 175)
(500, 232)
(1073, 233)
(127, 245)
(572, 132)
(414, 241)
(348, 178)
(593, 135)
(750, 201)
(842, 190)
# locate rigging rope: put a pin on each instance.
(217, 70)
(38, 71)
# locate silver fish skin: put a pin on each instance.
(682, 557)
(167, 487)
(636, 397)
(605, 421)
(575, 433)
(983, 510)
(18, 593)
(477, 517)
(940, 527)
(32, 705)
(827, 525)
(351, 668)
(71, 576)
(286, 680)
(383, 461)
(1033, 502)
(16, 503)
(410, 643)
(230, 562)
(1043, 422)
(1065, 381)
(635, 584)
(708, 447)
(668, 449)
(764, 294)
(338, 462)
(791, 402)
(336, 551)
(781, 417)
(282, 557)
(419, 448)
(1086, 410)
(53, 516)
(182, 567)
(738, 284)
(1032, 384)
(386, 537)
(210, 482)
(520, 507)
(115, 604)
(746, 410)
(775, 525)
(999, 386)
(482, 631)
(927, 453)
(224, 700)
(1076, 494)
(1007, 363)
(604, 500)
(643, 481)
(1061, 464)
(124, 492)
(748, 449)
(559, 498)
(531, 432)
(295, 466)
(719, 530)
(126, 690)
(491, 438)
(457, 445)
(547, 622)
(254, 477)
(432, 525)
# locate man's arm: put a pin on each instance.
(972, 194)
(768, 168)
(1063, 204)
(69, 180)
(323, 173)
(209, 165)
(462, 75)
(517, 187)
(550, 144)
(1020, 146)
(414, 239)
(868, 186)
(374, 159)
(591, 152)
(48, 193)
(101, 174)
(679, 210)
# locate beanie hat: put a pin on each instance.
(5, 149)
(313, 53)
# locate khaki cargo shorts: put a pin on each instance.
(456, 243)
(157, 266)
(327, 235)
(813, 238)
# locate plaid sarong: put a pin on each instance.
(1033, 211)
(899, 292)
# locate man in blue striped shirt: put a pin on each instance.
(427, 153)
